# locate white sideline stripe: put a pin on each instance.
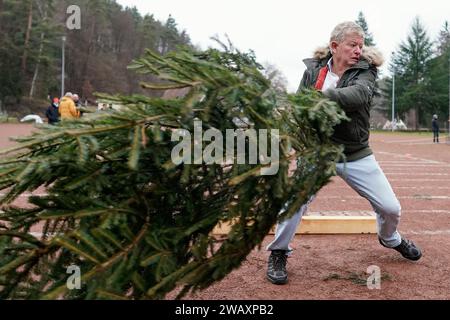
(427, 211)
(395, 187)
(425, 187)
(338, 185)
(418, 197)
(368, 212)
(409, 157)
(429, 232)
(339, 188)
(415, 165)
(401, 161)
(406, 165)
(415, 140)
(416, 169)
(417, 143)
(421, 172)
(417, 174)
(429, 165)
(417, 180)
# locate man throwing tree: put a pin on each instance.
(346, 73)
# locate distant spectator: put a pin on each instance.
(52, 112)
(76, 100)
(435, 127)
(67, 108)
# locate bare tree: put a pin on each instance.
(276, 77)
(27, 37)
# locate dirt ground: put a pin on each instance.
(335, 266)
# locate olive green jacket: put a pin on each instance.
(353, 93)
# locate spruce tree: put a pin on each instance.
(438, 73)
(443, 41)
(368, 39)
(410, 64)
(138, 225)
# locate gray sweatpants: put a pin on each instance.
(368, 180)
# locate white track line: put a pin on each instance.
(339, 188)
(399, 141)
(396, 155)
(418, 144)
(416, 174)
(424, 187)
(421, 180)
(429, 232)
(401, 162)
(426, 211)
(437, 166)
(418, 197)
(410, 164)
(409, 167)
(395, 187)
(368, 212)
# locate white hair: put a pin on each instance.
(345, 28)
(68, 94)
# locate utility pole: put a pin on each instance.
(393, 93)
(63, 65)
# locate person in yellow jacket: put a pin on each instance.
(67, 108)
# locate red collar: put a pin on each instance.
(321, 78)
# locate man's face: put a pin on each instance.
(348, 52)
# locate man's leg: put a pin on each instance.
(279, 247)
(368, 180)
(285, 231)
(366, 177)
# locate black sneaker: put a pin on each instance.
(407, 249)
(276, 270)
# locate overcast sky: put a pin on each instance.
(284, 32)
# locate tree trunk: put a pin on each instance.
(91, 51)
(1, 11)
(27, 37)
(417, 124)
(36, 69)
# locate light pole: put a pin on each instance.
(63, 65)
(393, 92)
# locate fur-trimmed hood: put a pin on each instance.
(371, 54)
